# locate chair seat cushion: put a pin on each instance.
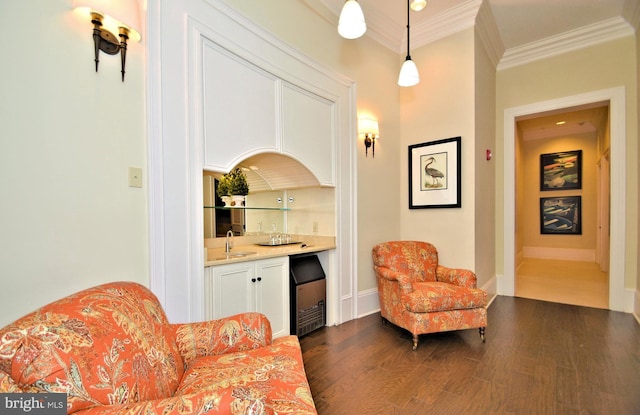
(439, 296)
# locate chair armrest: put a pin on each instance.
(226, 335)
(456, 276)
(404, 281)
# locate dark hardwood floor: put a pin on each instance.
(539, 358)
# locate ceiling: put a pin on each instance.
(519, 24)
(519, 31)
(523, 31)
(592, 118)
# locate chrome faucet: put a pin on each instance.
(229, 244)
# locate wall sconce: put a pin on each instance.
(368, 128)
(111, 18)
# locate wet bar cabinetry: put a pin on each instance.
(226, 90)
(250, 107)
(260, 285)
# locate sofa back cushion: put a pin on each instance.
(418, 260)
(109, 344)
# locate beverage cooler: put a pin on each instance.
(307, 294)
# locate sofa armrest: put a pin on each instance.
(226, 335)
(456, 276)
(7, 385)
(209, 402)
(404, 281)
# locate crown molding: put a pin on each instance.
(394, 36)
(488, 34)
(444, 24)
(631, 13)
(478, 13)
(581, 38)
(386, 32)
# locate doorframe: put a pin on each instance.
(617, 249)
(603, 220)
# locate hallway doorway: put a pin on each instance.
(561, 268)
(560, 281)
(615, 98)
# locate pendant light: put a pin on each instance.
(417, 5)
(351, 24)
(409, 71)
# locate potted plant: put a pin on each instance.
(238, 187)
(223, 190)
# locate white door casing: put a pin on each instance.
(616, 98)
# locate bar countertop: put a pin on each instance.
(250, 248)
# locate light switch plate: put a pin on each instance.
(135, 177)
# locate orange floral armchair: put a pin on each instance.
(112, 351)
(422, 296)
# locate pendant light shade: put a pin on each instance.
(351, 24)
(417, 5)
(408, 73)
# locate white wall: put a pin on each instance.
(484, 170)
(68, 218)
(442, 106)
(637, 297)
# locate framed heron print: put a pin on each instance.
(435, 174)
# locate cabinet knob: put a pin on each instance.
(259, 278)
(253, 280)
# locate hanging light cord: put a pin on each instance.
(408, 5)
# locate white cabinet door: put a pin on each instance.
(261, 286)
(309, 131)
(238, 108)
(272, 293)
(228, 289)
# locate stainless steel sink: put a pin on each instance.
(231, 255)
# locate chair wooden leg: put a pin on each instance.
(415, 341)
(481, 330)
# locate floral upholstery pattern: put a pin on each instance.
(422, 296)
(441, 296)
(112, 351)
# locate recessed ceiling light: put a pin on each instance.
(560, 122)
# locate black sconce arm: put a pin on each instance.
(105, 41)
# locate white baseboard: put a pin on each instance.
(491, 287)
(635, 306)
(505, 286)
(586, 255)
(629, 300)
(368, 302)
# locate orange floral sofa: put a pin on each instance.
(422, 296)
(112, 351)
